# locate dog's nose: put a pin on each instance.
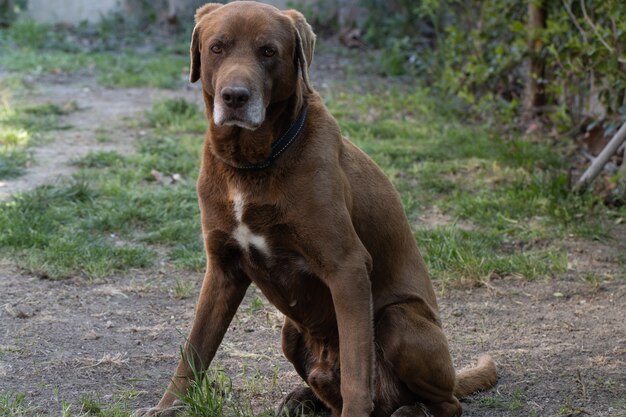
(235, 97)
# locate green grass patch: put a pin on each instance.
(33, 48)
(209, 394)
(124, 69)
(12, 162)
(13, 404)
(94, 406)
(513, 403)
(131, 69)
(14, 140)
(509, 194)
(513, 191)
(454, 254)
(45, 233)
(20, 127)
(111, 214)
(177, 115)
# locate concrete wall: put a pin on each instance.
(75, 11)
(70, 11)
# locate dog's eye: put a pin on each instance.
(269, 51)
(216, 49)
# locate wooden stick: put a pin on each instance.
(596, 166)
(622, 173)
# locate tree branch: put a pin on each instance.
(592, 172)
(573, 17)
(594, 28)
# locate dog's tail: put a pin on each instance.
(474, 379)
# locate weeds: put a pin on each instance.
(593, 280)
(255, 305)
(94, 406)
(514, 403)
(14, 405)
(210, 394)
(183, 289)
(138, 70)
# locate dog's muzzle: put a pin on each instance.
(238, 106)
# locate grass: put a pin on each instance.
(20, 128)
(513, 403)
(105, 219)
(510, 193)
(183, 289)
(14, 405)
(507, 198)
(176, 116)
(454, 254)
(210, 394)
(512, 207)
(255, 305)
(111, 214)
(32, 48)
(44, 233)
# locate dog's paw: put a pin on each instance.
(301, 402)
(146, 412)
(159, 411)
(154, 412)
(417, 410)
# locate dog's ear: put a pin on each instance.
(205, 10)
(194, 52)
(305, 44)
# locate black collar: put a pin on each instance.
(278, 147)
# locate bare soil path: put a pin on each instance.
(560, 343)
(100, 123)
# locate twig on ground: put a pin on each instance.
(118, 359)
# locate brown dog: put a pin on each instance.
(291, 205)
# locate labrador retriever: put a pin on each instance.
(290, 205)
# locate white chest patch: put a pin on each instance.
(242, 233)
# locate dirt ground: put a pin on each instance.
(560, 343)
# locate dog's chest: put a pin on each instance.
(259, 239)
(242, 233)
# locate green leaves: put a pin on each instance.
(477, 50)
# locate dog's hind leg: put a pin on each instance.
(418, 352)
(302, 400)
(325, 381)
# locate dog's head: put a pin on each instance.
(248, 56)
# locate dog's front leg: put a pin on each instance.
(219, 299)
(351, 290)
